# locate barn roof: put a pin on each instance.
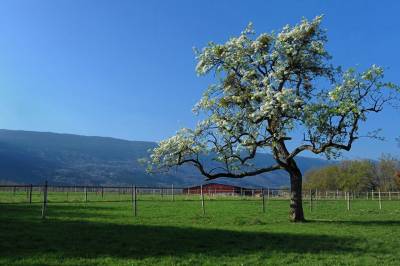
(213, 184)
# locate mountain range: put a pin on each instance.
(28, 157)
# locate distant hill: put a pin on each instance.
(32, 157)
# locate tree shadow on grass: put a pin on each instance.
(362, 223)
(22, 237)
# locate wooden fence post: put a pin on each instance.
(102, 192)
(348, 201)
(134, 200)
(132, 196)
(85, 189)
(311, 201)
(30, 194)
(263, 200)
(172, 192)
(136, 192)
(44, 206)
(372, 194)
(202, 200)
(380, 200)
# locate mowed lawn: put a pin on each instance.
(233, 232)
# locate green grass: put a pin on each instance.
(233, 232)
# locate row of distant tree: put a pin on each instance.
(357, 175)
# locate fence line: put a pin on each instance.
(271, 193)
(45, 194)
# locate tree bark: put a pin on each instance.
(296, 213)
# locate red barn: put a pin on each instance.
(214, 188)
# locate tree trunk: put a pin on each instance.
(296, 213)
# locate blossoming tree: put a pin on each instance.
(269, 90)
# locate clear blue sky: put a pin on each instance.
(126, 68)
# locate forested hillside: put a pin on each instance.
(32, 157)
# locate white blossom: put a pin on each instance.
(268, 86)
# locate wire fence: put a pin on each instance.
(45, 194)
(64, 194)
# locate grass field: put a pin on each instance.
(233, 232)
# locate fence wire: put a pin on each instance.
(65, 194)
